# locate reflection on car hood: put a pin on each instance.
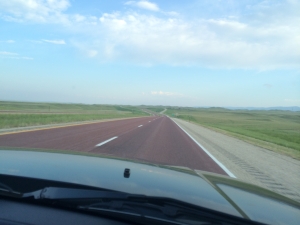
(200, 188)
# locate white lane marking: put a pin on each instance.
(208, 153)
(140, 125)
(104, 142)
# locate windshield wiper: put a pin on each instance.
(96, 200)
(64, 194)
(129, 205)
(7, 191)
(56, 193)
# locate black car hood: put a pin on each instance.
(200, 188)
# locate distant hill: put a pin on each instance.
(289, 108)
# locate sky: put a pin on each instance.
(222, 53)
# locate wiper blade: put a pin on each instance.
(7, 191)
(165, 212)
(56, 193)
(108, 199)
(114, 202)
(84, 199)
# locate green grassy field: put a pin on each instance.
(21, 114)
(21, 107)
(156, 109)
(275, 130)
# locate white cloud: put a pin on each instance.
(266, 37)
(144, 5)
(35, 41)
(92, 53)
(292, 100)
(165, 93)
(13, 55)
(9, 53)
(57, 42)
(85, 49)
(27, 58)
(79, 18)
(219, 42)
(8, 41)
(34, 10)
(172, 13)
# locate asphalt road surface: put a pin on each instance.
(151, 139)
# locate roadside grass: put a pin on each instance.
(156, 109)
(22, 114)
(24, 107)
(274, 130)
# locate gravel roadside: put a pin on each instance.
(250, 163)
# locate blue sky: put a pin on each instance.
(184, 53)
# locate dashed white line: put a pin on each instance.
(104, 142)
(140, 125)
(208, 153)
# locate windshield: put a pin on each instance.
(196, 87)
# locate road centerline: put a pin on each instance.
(104, 142)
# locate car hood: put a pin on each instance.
(200, 188)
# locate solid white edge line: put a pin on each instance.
(207, 152)
(104, 142)
(140, 125)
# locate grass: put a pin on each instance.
(59, 107)
(156, 109)
(22, 114)
(275, 130)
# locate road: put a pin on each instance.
(162, 112)
(248, 162)
(152, 139)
